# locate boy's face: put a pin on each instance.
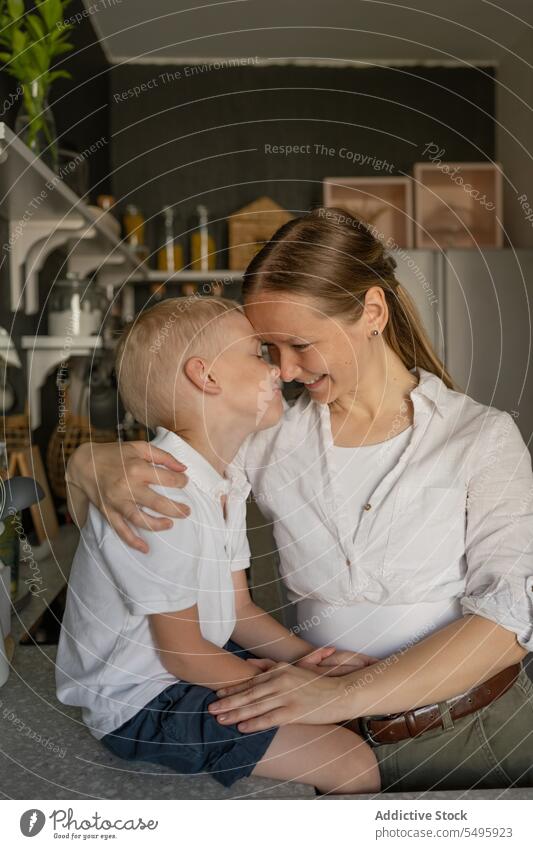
(251, 387)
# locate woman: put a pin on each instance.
(402, 516)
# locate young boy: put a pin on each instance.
(147, 638)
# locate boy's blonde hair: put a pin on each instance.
(154, 346)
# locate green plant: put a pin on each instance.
(30, 42)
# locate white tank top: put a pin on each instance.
(361, 469)
(375, 629)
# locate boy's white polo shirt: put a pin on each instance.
(107, 661)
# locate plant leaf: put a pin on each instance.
(39, 56)
(16, 9)
(35, 26)
(58, 75)
(65, 47)
(52, 12)
(19, 41)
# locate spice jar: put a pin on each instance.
(133, 226)
(75, 307)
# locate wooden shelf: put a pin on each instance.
(75, 343)
(44, 214)
(186, 276)
(43, 353)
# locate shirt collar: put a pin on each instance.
(430, 395)
(433, 389)
(430, 388)
(199, 470)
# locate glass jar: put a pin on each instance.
(75, 307)
(133, 226)
(203, 248)
(35, 124)
(170, 254)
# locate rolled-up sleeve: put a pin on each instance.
(499, 531)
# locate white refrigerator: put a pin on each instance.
(480, 322)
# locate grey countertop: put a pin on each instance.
(48, 753)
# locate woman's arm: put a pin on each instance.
(445, 664)
(115, 477)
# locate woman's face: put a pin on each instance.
(327, 354)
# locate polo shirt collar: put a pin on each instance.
(199, 470)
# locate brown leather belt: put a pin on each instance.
(377, 730)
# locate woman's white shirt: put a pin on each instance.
(375, 629)
(452, 518)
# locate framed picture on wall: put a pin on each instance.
(385, 203)
(458, 205)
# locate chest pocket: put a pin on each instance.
(427, 528)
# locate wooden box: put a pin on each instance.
(251, 227)
(458, 205)
(385, 203)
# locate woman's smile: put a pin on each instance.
(315, 382)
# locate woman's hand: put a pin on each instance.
(283, 696)
(115, 477)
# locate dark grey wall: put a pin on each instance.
(203, 134)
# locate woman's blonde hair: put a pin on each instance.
(335, 258)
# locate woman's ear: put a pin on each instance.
(376, 309)
(197, 372)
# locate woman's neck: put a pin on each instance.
(378, 409)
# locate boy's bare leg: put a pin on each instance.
(333, 759)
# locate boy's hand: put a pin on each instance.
(262, 664)
(316, 657)
(344, 662)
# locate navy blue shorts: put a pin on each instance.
(176, 730)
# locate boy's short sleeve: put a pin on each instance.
(166, 578)
(240, 550)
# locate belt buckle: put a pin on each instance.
(367, 734)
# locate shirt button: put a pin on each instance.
(367, 507)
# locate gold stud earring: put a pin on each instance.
(375, 333)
